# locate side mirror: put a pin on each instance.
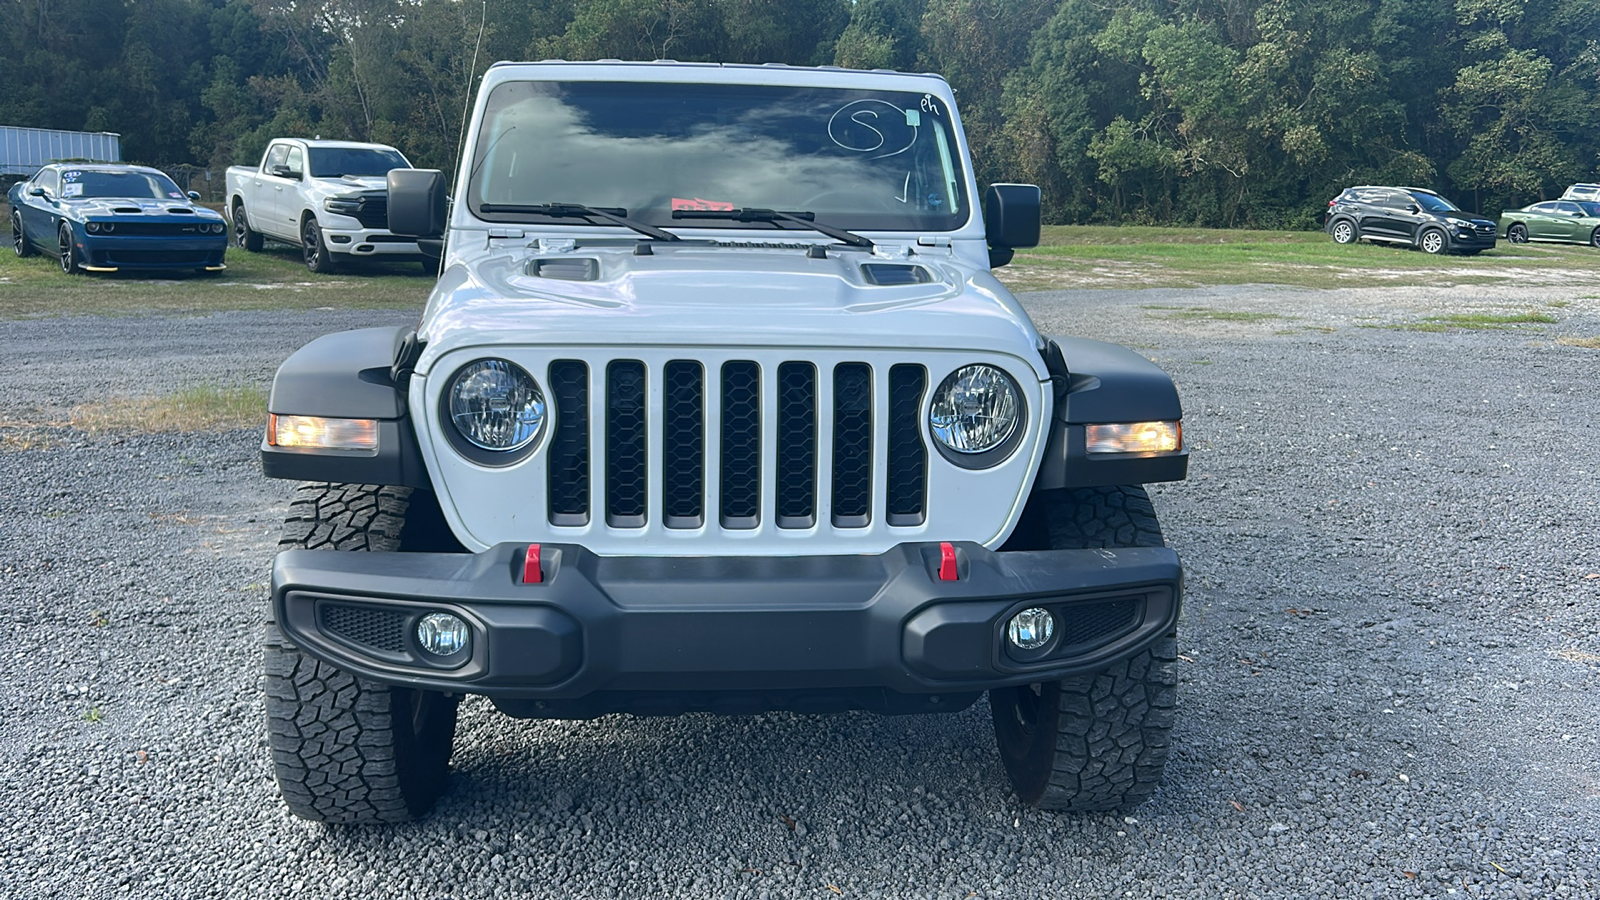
(194, 196)
(416, 202)
(1011, 219)
(1413, 208)
(280, 171)
(36, 192)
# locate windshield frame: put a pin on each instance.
(951, 168)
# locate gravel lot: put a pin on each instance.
(1391, 639)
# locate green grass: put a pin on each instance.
(198, 408)
(1086, 256)
(1476, 321)
(1215, 315)
(273, 279)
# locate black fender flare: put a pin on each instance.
(359, 374)
(1102, 383)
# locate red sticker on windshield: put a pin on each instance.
(697, 203)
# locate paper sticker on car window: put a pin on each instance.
(174, 194)
(697, 203)
(71, 176)
(72, 190)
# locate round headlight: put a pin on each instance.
(976, 409)
(108, 226)
(495, 405)
(91, 227)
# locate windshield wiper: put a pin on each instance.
(579, 211)
(808, 219)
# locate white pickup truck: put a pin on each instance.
(329, 197)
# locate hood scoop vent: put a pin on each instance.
(180, 210)
(565, 269)
(126, 209)
(892, 274)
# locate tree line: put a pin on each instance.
(1203, 112)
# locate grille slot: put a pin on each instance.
(569, 443)
(626, 461)
(366, 626)
(908, 458)
(683, 445)
(852, 445)
(741, 444)
(797, 445)
(160, 257)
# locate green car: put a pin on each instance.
(1573, 221)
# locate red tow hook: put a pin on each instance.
(947, 562)
(531, 573)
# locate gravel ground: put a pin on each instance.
(1389, 677)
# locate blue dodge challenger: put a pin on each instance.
(110, 217)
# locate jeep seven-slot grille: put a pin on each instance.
(734, 458)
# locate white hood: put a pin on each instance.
(725, 295)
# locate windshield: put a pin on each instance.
(88, 184)
(858, 159)
(1434, 202)
(332, 162)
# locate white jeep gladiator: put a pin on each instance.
(329, 197)
(717, 406)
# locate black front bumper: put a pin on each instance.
(733, 634)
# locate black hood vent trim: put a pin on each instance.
(895, 274)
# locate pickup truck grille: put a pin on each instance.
(634, 410)
(373, 212)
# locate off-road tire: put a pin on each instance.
(67, 251)
(1517, 234)
(346, 750)
(19, 236)
(314, 250)
(245, 237)
(1343, 231)
(1097, 741)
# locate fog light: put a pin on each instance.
(1031, 628)
(442, 634)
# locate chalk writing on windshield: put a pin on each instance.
(873, 126)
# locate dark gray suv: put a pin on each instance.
(1406, 215)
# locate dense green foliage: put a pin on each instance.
(1210, 112)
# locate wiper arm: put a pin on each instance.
(808, 219)
(579, 211)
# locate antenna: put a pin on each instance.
(466, 105)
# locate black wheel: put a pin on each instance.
(314, 249)
(19, 237)
(1344, 232)
(346, 750)
(1594, 238)
(244, 237)
(67, 251)
(1517, 234)
(1097, 741)
(1433, 242)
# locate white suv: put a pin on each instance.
(718, 406)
